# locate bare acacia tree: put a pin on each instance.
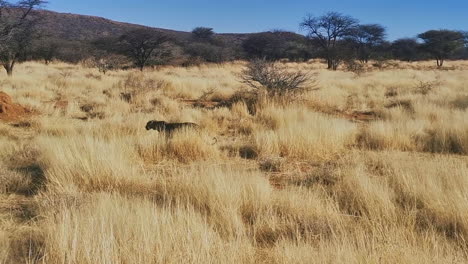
(8, 21)
(17, 48)
(328, 31)
(142, 45)
(16, 30)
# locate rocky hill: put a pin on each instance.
(75, 27)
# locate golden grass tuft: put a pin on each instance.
(97, 232)
(302, 134)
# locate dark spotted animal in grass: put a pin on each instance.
(169, 128)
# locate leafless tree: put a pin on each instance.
(17, 48)
(13, 15)
(16, 30)
(327, 31)
(142, 45)
(276, 80)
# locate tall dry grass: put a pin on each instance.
(370, 168)
(299, 133)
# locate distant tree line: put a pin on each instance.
(336, 38)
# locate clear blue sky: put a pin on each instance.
(402, 18)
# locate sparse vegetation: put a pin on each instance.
(242, 162)
(347, 174)
(275, 79)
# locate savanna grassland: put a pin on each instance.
(368, 168)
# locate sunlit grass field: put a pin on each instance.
(368, 168)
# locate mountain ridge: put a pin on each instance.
(77, 27)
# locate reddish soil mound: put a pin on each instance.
(10, 111)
